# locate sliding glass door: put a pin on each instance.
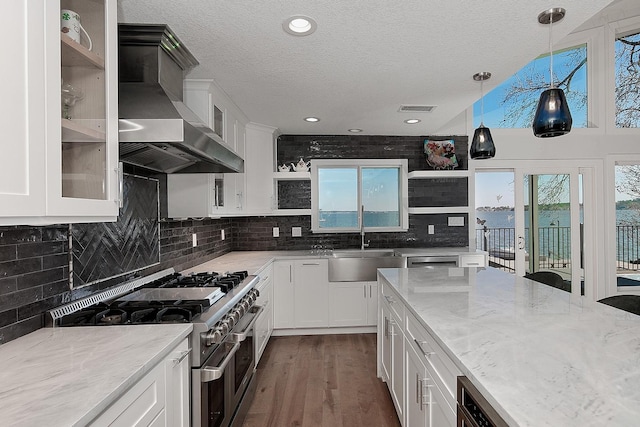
(537, 221)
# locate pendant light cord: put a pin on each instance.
(481, 103)
(551, 51)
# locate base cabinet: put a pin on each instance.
(160, 398)
(264, 324)
(300, 294)
(420, 376)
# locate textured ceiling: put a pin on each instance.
(366, 58)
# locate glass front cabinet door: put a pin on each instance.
(82, 146)
(60, 148)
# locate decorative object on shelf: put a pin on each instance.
(553, 117)
(70, 95)
(301, 166)
(71, 26)
(482, 146)
(441, 154)
(284, 168)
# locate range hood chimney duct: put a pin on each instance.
(157, 130)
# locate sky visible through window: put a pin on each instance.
(512, 104)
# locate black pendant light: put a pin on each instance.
(482, 144)
(553, 117)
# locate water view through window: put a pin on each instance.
(341, 193)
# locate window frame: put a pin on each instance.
(360, 164)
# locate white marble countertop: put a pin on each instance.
(67, 376)
(541, 356)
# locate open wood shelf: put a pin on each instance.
(76, 55)
(72, 131)
(438, 174)
(291, 176)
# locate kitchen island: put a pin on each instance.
(540, 356)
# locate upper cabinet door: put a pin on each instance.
(60, 147)
(82, 107)
(22, 112)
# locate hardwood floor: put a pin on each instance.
(320, 380)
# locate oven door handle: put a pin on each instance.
(210, 373)
(241, 336)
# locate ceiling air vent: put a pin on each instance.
(416, 108)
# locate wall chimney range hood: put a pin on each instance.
(156, 129)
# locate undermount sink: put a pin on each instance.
(361, 265)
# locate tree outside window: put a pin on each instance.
(628, 81)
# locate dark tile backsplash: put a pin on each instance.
(256, 234)
(293, 147)
(34, 261)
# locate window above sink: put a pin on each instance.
(340, 187)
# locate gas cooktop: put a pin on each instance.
(172, 298)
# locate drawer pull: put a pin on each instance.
(425, 353)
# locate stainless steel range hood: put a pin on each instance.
(157, 131)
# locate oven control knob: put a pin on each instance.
(213, 337)
(228, 322)
(246, 305)
(223, 328)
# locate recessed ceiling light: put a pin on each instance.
(311, 119)
(412, 121)
(299, 25)
(355, 130)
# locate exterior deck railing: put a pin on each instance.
(555, 247)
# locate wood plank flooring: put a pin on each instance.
(320, 380)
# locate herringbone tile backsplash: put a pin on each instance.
(106, 249)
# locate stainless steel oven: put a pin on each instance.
(223, 387)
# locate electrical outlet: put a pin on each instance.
(276, 231)
(455, 221)
(195, 240)
(431, 229)
(222, 234)
(296, 231)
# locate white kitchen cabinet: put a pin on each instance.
(178, 374)
(311, 305)
(417, 386)
(353, 304)
(391, 337)
(283, 295)
(60, 169)
(259, 165)
(300, 294)
(264, 324)
(160, 398)
(210, 195)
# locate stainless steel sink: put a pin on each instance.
(361, 265)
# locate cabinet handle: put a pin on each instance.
(423, 385)
(418, 391)
(290, 275)
(425, 353)
(364, 288)
(181, 357)
(120, 171)
(370, 287)
(311, 263)
(386, 327)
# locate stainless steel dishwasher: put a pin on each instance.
(431, 261)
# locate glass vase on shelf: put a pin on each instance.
(70, 95)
